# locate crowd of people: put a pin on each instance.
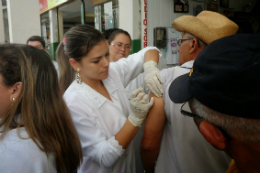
(100, 109)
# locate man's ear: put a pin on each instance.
(15, 90)
(74, 64)
(193, 45)
(213, 135)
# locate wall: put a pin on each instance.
(6, 30)
(129, 20)
(126, 10)
(161, 14)
(23, 19)
(2, 34)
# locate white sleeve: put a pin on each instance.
(130, 67)
(94, 143)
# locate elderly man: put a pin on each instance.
(222, 95)
(168, 137)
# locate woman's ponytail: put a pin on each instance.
(66, 72)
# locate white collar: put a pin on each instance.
(96, 97)
(188, 64)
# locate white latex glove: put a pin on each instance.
(139, 107)
(152, 78)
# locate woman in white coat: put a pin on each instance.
(36, 130)
(99, 106)
(120, 47)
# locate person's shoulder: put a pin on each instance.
(18, 141)
(75, 93)
(74, 89)
(19, 153)
(166, 74)
(80, 96)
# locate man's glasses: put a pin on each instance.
(185, 110)
(119, 46)
(180, 40)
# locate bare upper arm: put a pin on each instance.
(154, 122)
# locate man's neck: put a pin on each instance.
(246, 156)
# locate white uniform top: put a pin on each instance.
(23, 155)
(135, 84)
(97, 119)
(183, 149)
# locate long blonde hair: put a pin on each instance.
(42, 110)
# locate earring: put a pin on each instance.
(13, 99)
(78, 78)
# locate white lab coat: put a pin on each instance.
(23, 155)
(98, 120)
(135, 84)
(183, 149)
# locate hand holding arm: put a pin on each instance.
(152, 76)
(139, 107)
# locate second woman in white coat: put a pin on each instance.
(98, 104)
(120, 47)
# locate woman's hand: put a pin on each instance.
(139, 107)
(152, 78)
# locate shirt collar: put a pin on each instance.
(188, 64)
(96, 97)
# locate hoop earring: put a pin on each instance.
(78, 77)
(13, 99)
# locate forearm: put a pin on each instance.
(107, 152)
(153, 131)
(152, 55)
(126, 134)
(148, 159)
(130, 67)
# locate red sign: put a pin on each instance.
(43, 5)
(145, 25)
(46, 5)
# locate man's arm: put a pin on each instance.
(153, 131)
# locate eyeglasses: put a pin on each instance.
(180, 40)
(185, 110)
(119, 46)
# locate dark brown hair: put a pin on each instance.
(37, 38)
(117, 32)
(39, 108)
(108, 32)
(78, 41)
